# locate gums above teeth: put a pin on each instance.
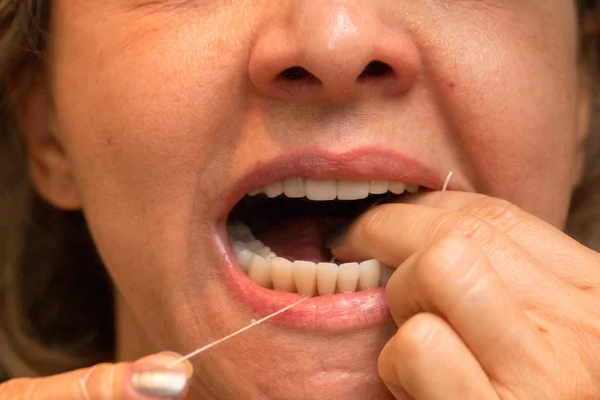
(304, 277)
(326, 190)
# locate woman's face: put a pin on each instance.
(168, 112)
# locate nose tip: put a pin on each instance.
(335, 59)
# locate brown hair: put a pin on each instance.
(56, 305)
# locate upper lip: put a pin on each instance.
(365, 163)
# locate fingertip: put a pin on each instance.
(388, 373)
(162, 375)
(168, 360)
(158, 383)
(340, 246)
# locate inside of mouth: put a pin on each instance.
(281, 243)
(298, 229)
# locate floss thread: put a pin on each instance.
(447, 181)
(234, 334)
(254, 323)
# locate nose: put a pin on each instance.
(333, 52)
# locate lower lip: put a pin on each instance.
(335, 312)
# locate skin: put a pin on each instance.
(149, 111)
(491, 302)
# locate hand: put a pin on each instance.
(147, 378)
(491, 302)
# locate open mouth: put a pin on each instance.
(280, 234)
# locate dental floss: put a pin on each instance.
(255, 322)
(244, 329)
(447, 182)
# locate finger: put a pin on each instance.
(454, 279)
(428, 360)
(391, 233)
(147, 378)
(541, 239)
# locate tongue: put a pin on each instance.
(301, 238)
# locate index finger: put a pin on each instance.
(391, 233)
(558, 251)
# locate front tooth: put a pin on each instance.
(327, 275)
(412, 188)
(294, 188)
(385, 274)
(274, 189)
(347, 277)
(352, 190)
(244, 257)
(379, 187)
(256, 191)
(321, 190)
(369, 273)
(397, 187)
(260, 272)
(305, 275)
(282, 274)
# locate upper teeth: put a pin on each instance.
(325, 190)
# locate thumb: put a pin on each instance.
(150, 378)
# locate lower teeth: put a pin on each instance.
(307, 278)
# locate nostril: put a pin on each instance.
(376, 69)
(296, 74)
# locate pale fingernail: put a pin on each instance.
(160, 382)
(162, 375)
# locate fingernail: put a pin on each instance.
(160, 382)
(162, 375)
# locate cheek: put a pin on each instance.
(138, 110)
(143, 134)
(511, 99)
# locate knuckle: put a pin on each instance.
(17, 389)
(448, 258)
(100, 381)
(500, 213)
(100, 370)
(467, 226)
(416, 335)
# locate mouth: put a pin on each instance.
(280, 234)
(276, 238)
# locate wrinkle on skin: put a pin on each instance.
(158, 115)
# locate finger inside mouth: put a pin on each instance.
(279, 234)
